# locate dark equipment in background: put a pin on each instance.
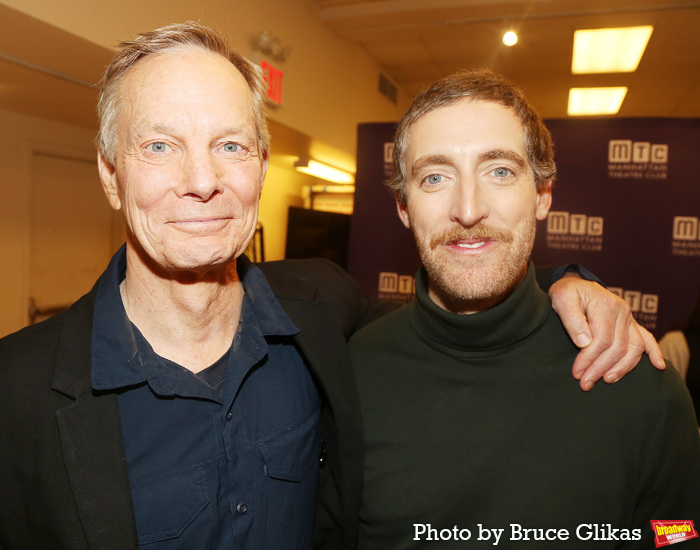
(317, 234)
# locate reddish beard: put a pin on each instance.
(468, 283)
(478, 232)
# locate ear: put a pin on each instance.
(108, 177)
(402, 210)
(544, 200)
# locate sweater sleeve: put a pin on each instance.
(669, 474)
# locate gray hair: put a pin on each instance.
(161, 40)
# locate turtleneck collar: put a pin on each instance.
(491, 330)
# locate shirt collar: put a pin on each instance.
(503, 325)
(271, 318)
(117, 358)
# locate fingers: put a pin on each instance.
(634, 351)
(616, 362)
(575, 323)
(567, 302)
(651, 346)
(602, 324)
(610, 351)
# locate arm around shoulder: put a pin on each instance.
(333, 285)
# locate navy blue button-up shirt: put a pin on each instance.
(226, 458)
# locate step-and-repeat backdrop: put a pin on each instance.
(626, 206)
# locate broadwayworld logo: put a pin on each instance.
(686, 236)
(567, 231)
(671, 532)
(642, 160)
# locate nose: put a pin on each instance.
(469, 203)
(201, 179)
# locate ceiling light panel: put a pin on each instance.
(323, 171)
(595, 101)
(609, 50)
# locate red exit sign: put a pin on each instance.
(273, 77)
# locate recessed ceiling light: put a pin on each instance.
(609, 50)
(595, 101)
(510, 38)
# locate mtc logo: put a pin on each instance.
(638, 302)
(686, 228)
(393, 282)
(626, 150)
(565, 223)
(389, 152)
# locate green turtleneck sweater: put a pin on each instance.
(474, 423)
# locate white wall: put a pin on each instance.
(330, 84)
(22, 135)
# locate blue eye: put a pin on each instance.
(231, 147)
(434, 179)
(502, 172)
(158, 147)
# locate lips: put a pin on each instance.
(478, 244)
(200, 220)
(200, 225)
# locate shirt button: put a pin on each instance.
(229, 415)
(241, 508)
(322, 456)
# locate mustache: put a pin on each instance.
(477, 232)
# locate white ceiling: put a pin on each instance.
(415, 42)
(419, 41)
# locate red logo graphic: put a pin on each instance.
(668, 532)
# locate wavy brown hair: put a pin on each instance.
(484, 85)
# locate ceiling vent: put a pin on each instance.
(387, 88)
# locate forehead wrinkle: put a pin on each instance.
(147, 126)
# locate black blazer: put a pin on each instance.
(63, 477)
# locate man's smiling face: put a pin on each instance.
(188, 175)
(472, 202)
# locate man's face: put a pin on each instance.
(472, 203)
(187, 174)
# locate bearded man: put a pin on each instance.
(473, 429)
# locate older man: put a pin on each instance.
(473, 430)
(185, 401)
